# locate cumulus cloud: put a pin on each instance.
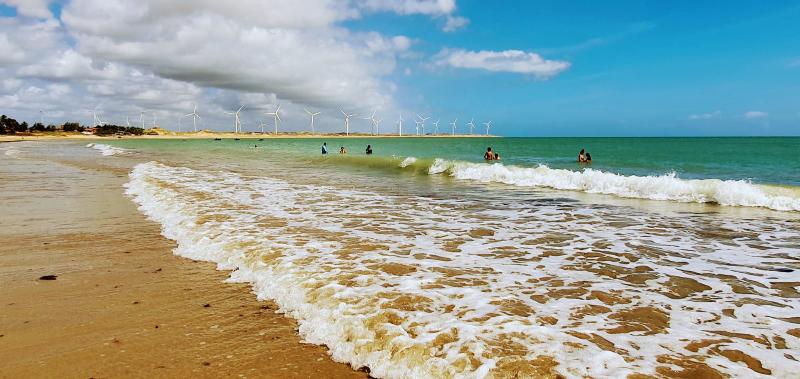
(705, 116)
(755, 114)
(514, 61)
(164, 56)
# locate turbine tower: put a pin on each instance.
(454, 126)
(141, 117)
(346, 121)
(436, 127)
(128, 121)
(488, 125)
(471, 124)
(377, 125)
(262, 125)
(154, 119)
(237, 122)
(194, 117)
(276, 117)
(312, 114)
(400, 126)
(418, 123)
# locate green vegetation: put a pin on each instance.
(9, 125)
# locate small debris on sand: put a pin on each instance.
(48, 277)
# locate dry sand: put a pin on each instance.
(122, 305)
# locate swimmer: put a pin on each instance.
(324, 148)
(369, 149)
(582, 156)
(489, 155)
(342, 150)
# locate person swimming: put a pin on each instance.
(369, 149)
(324, 148)
(496, 156)
(588, 158)
(489, 155)
(342, 150)
(582, 156)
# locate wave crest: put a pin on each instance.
(666, 187)
(107, 150)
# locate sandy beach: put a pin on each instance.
(121, 304)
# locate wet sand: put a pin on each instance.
(121, 304)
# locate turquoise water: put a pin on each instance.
(769, 160)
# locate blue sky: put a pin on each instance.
(637, 67)
(622, 68)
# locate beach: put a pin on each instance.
(418, 261)
(122, 305)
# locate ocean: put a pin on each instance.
(664, 257)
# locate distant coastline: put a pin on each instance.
(223, 135)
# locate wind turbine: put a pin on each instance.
(141, 117)
(346, 121)
(371, 118)
(262, 125)
(454, 126)
(488, 125)
(96, 120)
(312, 114)
(400, 126)
(377, 124)
(128, 121)
(276, 116)
(154, 119)
(436, 127)
(471, 124)
(194, 117)
(422, 123)
(237, 123)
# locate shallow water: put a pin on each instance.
(477, 270)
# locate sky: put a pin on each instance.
(534, 68)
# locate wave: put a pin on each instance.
(422, 287)
(107, 150)
(667, 187)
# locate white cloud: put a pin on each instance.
(163, 56)
(515, 61)
(455, 23)
(30, 8)
(755, 114)
(705, 116)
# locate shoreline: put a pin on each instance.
(121, 304)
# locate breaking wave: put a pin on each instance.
(107, 150)
(667, 187)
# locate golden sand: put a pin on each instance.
(121, 304)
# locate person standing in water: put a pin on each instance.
(369, 149)
(342, 150)
(582, 156)
(324, 148)
(489, 155)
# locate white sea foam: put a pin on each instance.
(663, 187)
(420, 287)
(107, 150)
(408, 161)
